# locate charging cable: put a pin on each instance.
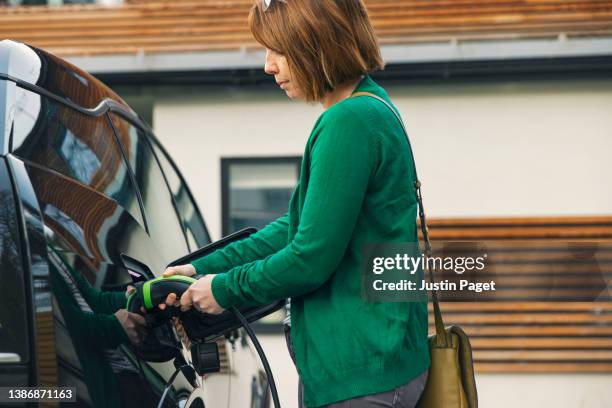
(262, 355)
(169, 385)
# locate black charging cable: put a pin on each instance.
(260, 352)
(262, 355)
(169, 385)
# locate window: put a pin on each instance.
(78, 146)
(160, 213)
(191, 219)
(256, 191)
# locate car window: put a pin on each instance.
(160, 214)
(78, 146)
(193, 224)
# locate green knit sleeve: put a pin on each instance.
(100, 301)
(95, 329)
(341, 163)
(264, 242)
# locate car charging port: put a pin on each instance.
(205, 358)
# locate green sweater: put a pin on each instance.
(355, 187)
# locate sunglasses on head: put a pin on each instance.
(268, 3)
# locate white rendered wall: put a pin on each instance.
(503, 149)
(481, 150)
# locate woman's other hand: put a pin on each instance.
(133, 324)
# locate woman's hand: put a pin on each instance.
(200, 297)
(133, 324)
(184, 270)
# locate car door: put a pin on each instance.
(93, 213)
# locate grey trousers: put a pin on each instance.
(404, 396)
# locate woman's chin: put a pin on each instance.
(292, 94)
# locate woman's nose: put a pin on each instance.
(270, 67)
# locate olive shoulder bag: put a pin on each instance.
(451, 382)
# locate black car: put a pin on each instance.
(87, 192)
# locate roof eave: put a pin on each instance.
(451, 51)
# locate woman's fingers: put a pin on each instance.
(140, 327)
(184, 270)
(186, 301)
(140, 324)
(171, 300)
(129, 291)
(133, 324)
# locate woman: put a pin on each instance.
(355, 187)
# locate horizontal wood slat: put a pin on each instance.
(521, 367)
(523, 318)
(598, 307)
(543, 355)
(543, 343)
(516, 330)
(534, 331)
(190, 26)
(45, 350)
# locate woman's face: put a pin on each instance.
(276, 64)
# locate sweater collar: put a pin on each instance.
(367, 84)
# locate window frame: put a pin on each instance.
(146, 133)
(154, 142)
(227, 162)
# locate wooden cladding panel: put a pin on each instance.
(45, 350)
(520, 329)
(184, 26)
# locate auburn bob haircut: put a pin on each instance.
(326, 42)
